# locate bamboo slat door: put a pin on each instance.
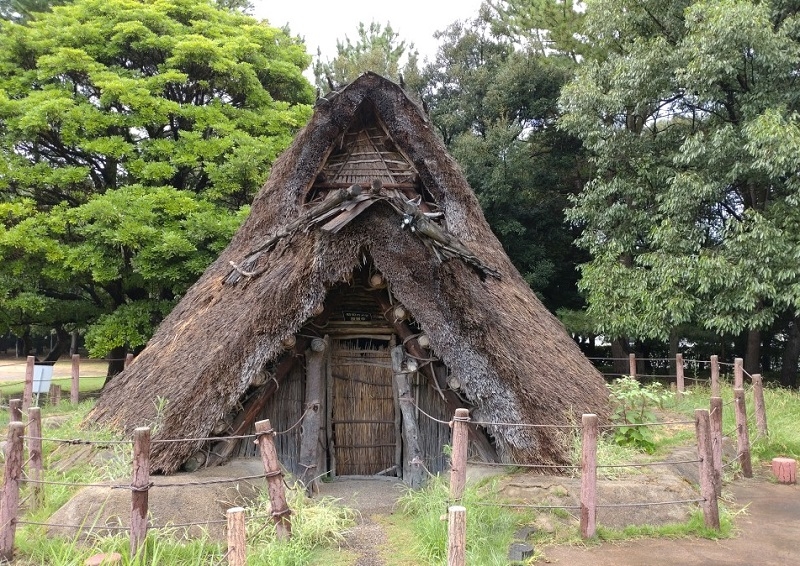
(363, 411)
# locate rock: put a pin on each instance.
(519, 551)
(524, 534)
(104, 559)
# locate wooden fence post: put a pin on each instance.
(632, 364)
(15, 410)
(761, 409)
(456, 535)
(458, 459)
(742, 434)
(708, 490)
(75, 391)
(237, 541)
(35, 453)
(128, 360)
(9, 506)
(589, 476)
(27, 392)
(738, 373)
(716, 441)
(281, 513)
(679, 377)
(55, 394)
(140, 486)
(715, 376)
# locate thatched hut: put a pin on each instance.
(366, 244)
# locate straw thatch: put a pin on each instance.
(513, 360)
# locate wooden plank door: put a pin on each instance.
(363, 419)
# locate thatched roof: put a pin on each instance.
(514, 360)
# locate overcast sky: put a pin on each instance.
(322, 22)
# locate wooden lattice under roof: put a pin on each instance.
(365, 153)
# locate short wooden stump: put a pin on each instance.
(785, 470)
(104, 559)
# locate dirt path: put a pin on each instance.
(768, 534)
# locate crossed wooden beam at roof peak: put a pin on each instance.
(341, 206)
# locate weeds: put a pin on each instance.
(633, 404)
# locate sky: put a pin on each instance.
(322, 22)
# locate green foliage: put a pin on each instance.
(495, 106)
(21, 11)
(689, 110)
(378, 49)
(633, 405)
(489, 528)
(132, 138)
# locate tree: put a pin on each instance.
(133, 136)
(23, 10)
(689, 109)
(378, 49)
(495, 106)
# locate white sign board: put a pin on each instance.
(42, 376)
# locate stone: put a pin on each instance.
(524, 534)
(519, 551)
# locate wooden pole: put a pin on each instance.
(75, 391)
(9, 506)
(55, 394)
(27, 393)
(632, 364)
(589, 476)
(758, 400)
(715, 376)
(281, 513)
(237, 541)
(738, 373)
(15, 410)
(413, 472)
(679, 377)
(716, 441)
(35, 453)
(708, 490)
(458, 460)
(742, 434)
(128, 360)
(140, 486)
(311, 426)
(456, 535)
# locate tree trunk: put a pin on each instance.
(62, 343)
(674, 340)
(791, 355)
(116, 363)
(752, 356)
(620, 351)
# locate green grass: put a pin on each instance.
(490, 528)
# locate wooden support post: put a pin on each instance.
(589, 476)
(311, 426)
(708, 490)
(75, 391)
(632, 364)
(55, 394)
(128, 360)
(9, 506)
(458, 460)
(413, 471)
(35, 454)
(715, 376)
(761, 409)
(742, 434)
(15, 410)
(27, 393)
(456, 535)
(237, 540)
(785, 470)
(140, 486)
(715, 416)
(281, 513)
(679, 377)
(738, 373)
